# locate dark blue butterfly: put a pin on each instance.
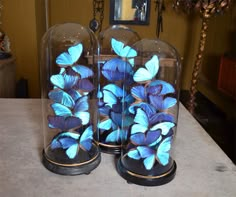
(69, 58)
(159, 87)
(117, 69)
(84, 86)
(150, 138)
(162, 103)
(63, 123)
(83, 71)
(144, 75)
(67, 141)
(62, 97)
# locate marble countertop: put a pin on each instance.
(203, 169)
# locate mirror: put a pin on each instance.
(135, 12)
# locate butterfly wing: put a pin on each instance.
(142, 75)
(61, 110)
(134, 154)
(116, 136)
(164, 126)
(83, 71)
(69, 58)
(58, 81)
(163, 151)
(63, 123)
(138, 92)
(116, 90)
(166, 88)
(117, 46)
(153, 65)
(86, 139)
(138, 139)
(62, 97)
(72, 151)
(109, 98)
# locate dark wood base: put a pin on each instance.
(146, 180)
(71, 169)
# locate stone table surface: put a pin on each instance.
(203, 169)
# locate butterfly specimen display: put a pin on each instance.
(70, 104)
(151, 134)
(113, 99)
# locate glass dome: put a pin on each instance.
(69, 80)
(149, 122)
(115, 42)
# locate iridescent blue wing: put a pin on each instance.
(163, 151)
(113, 69)
(122, 51)
(142, 122)
(63, 123)
(116, 118)
(75, 95)
(149, 109)
(83, 71)
(161, 103)
(80, 110)
(154, 89)
(104, 111)
(58, 80)
(109, 98)
(116, 90)
(138, 92)
(149, 162)
(105, 125)
(145, 151)
(134, 154)
(116, 136)
(69, 58)
(61, 110)
(86, 139)
(153, 138)
(62, 97)
(164, 126)
(161, 117)
(81, 104)
(143, 75)
(166, 88)
(138, 139)
(84, 86)
(141, 118)
(72, 151)
(63, 81)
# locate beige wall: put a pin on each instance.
(24, 22)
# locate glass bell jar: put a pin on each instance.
(69, 80)
(150, 121)
(115, 69)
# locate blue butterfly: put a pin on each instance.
(63, 81)
(149, 155)
(68, 141)
(117, 69)
(162, 103)
(116, 136)
(85, 141)
(123, 51)
(144, 75)
(84, 86)
(142, 124)
(66, 59)
(106, 124)
(62, 97)
(151, 138)
(159, 87)
(80, 110)
(83, 71)
(63, 123)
